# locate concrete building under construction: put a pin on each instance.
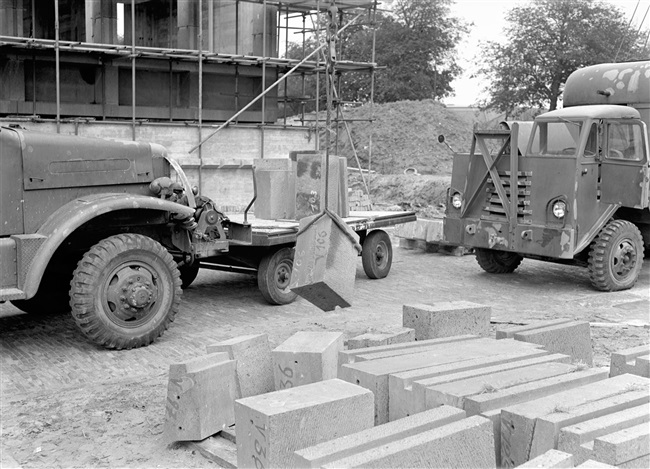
(169, 71)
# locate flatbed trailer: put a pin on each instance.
(267, 248)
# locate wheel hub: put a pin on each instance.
(131, 292)
(624, 258)
(283, 276)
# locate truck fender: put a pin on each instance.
(71, 216)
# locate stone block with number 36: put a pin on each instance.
(325, 263)
(306, 357)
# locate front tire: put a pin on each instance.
(377, 254)
(616, 256)
(274, 276)
(125, 291)
(498, 262)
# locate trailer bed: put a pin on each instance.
(275, 232)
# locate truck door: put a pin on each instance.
(624, 169)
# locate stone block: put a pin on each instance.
(573, 438)
(572, 338)
(375, 437)
(275, 179)
(325, 262)
(455, 393)
(271, 427)
(591, 464)
(405, 348)
(434, 232)
(373, 374)
(446, 319)
(625, 361)
(551, 459)
(344, 203)
(465, 443)
(531, 428)
(480, 403)
(407, 389)
(623, 446)
(509, 332)
(200, 396)
(398, 336)
(254, 364)
(642, 462)
(306, 357)
(405, 230)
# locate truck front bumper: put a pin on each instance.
(537, 240)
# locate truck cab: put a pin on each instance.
(571, 188)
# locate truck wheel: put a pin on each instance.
(498, 262)
(616, 256)
(125, 291)
(377, 254)
(188, 274)
(274, 276)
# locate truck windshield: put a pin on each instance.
(556, 138)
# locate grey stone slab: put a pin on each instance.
(509, 332)
(373, 374)
(402, 399)
(591, 464)
(551, 459)
(385, 351)
(531, 428)
(574, 438)
(572, 339)
(447, 319)
(624, 445)
(333, 450)
(254, 364)
(419, 388)
(456, 392)
(642, 462)
(306, 357)
(200, 397)
(624, 361)
(465, 443)
(272, 426)
(477, 404)
(397, 336)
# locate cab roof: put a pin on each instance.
(596, 111)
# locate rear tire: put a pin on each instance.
(274, 276)
(377, 254)
(125, 291)
(616, 256)
(498, 262)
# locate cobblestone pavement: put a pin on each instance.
(46, 352)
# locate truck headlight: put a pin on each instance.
(457, 200)
(559, 209)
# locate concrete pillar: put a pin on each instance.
(101, 21)
(187, 23)
(11, 18)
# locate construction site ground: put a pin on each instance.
(67, 403)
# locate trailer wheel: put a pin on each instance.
(189, 273)
(125, 291)
(498, 262)
(274, 276)
(377, 254)
(616, 256)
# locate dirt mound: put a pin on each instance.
(405, 135)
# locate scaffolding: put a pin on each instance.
(279, 19)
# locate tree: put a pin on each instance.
(414, 44)
(547, 40)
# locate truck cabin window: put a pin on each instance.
(624, 141)
(556, 138)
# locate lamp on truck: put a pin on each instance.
(457, 200)
(559, 209)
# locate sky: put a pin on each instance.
(488, 17)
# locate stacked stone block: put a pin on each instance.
(200, 397)
(377, 339)
(306, 357)
(271, 427)
(446, 319)
(635, 360)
